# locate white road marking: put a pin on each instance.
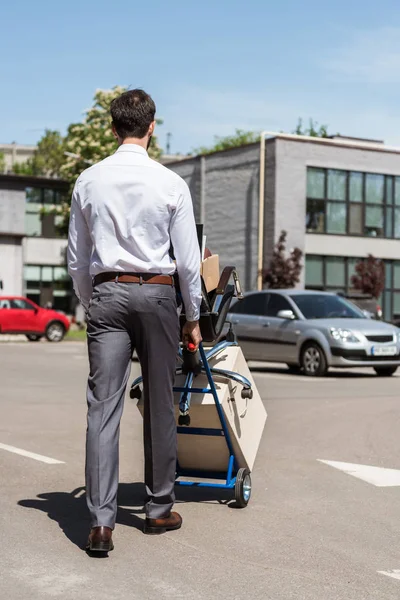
(378, 476)
(395, 573)
(40, 457)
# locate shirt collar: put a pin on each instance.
(132, 148)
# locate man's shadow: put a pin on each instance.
(69, 509)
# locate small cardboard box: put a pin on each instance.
(245, 418)
(209, 270)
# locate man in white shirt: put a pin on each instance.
(126, 211)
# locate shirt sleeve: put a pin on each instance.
(79, 251)
(187, 252)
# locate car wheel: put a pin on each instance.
(385, 371)
(313, 360)
(33, 338)
(55, 331)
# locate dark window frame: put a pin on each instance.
(387, 299)
(388, 205)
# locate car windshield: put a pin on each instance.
(325, 306)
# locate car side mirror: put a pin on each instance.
(286, 314)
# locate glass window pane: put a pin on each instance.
(255, 304)
(337, 185)
(33, 224)
(34, 195)
(335, 217)
(397, 190)
(315, 218)
(60, 273)
(351, 269)
(32, 272)
(387, 306)
(389, 223)
(276, 303)
(374, 188)
(48, 196)
(389, 190)
(314, 271)
(388, 275)
(374, 221)
(396, 275)
(355, 187)
(355, 216)
(47, 273)
(315, 183)
(396, 304)
(60, 197)
(397, 223)
(334, 271)
(21, 304)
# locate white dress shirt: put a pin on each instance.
(125, 212)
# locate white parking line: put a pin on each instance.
(394, 574)
(40, 457)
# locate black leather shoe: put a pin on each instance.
(100, 540)
(157, 526)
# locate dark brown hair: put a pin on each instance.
(132, 113)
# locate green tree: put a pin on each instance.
(2, 162)
(240, 138)
(47, 159)
(313, 129)
(91, 140)
(85, 143)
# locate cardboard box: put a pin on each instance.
(209, 270)
(245, 419)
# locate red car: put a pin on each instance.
(20, 315)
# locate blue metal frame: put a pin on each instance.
(230, 475)
(184, 405)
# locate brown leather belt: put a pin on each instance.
(139, 278)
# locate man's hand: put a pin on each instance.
(191, 333)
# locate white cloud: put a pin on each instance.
(371, 56)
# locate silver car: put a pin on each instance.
(313, 331)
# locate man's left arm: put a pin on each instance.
(79, 251)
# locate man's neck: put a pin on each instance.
(139, 142)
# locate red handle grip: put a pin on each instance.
(191, 347)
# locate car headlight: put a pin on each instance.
(344, 335)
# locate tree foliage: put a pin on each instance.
(240, 138)
(85, 143)
(47, 159)
(283, 271)
(2, 162)
(370, 276)
(313, 129)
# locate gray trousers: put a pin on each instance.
(124, 317)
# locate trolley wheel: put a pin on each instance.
(247, 393)
(242, 488)
(184, 420)
(135, 393)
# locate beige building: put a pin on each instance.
(15, 153)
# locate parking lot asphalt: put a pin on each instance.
(311, 531)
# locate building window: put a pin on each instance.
(334, 273)
(37, 223)
(48, 285)
(349, 202)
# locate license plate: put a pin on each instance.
(384, 350)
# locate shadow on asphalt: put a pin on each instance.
(69, 509)
(331, 374)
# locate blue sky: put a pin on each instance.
(211, 66)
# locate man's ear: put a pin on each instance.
(151, 128)
(114, 132)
